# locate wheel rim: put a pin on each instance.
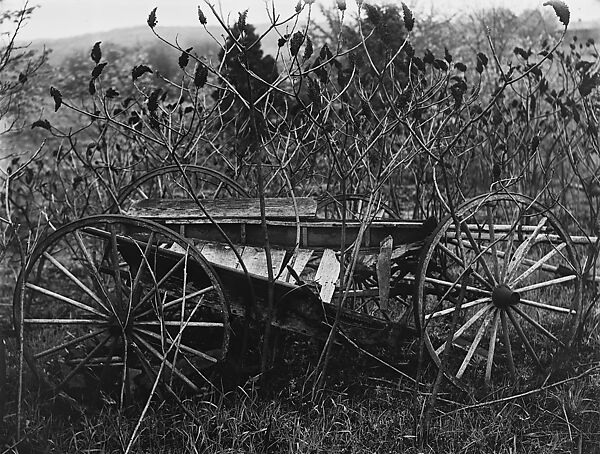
(517, 284)
(109, 297)
(168, 182)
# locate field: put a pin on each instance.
(367, 234)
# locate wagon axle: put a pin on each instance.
(503, 296)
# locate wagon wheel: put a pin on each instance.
(331, 206)
(110, 297)
(168, 182)
(514, 273)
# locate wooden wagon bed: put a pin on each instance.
(296, 235)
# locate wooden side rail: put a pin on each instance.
(240, 208)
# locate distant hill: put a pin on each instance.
(141, 37)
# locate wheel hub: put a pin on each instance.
(504, 296)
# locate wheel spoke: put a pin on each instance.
(506, 338)
(178, 300)
(492, 234)
(83, 362)
(154, 288)
(74, 341)
(461, 262)
(66, 299)
(181, 346)
(537, 264)
(537, 325)
(64, 321)
(474, 345)
(523, 248)
(548, 307)
(95, 272)
(77, 282)
(524, 338)
(179, 323)
(166, 362)
(477, 250)
(558, 280)
(457, 285)
(453, 308)
(466, 326)
(115, 264)
(491, 349)
(143, 262)
(507, 253)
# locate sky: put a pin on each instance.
(64, 18)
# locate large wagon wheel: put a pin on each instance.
(331, 207)
(168, 182)
(513, 270)
(109, 297)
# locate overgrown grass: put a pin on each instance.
(364, 409)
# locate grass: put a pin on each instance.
(364, 409)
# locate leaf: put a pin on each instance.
(200, 75)
(440, 64)
(139, 70)
(241, 23)
(44, 124)
(96, 53)
(308, 49)
(22, 78)
(152, 18)
(522, 53)
(201, 16)
(153, 100)
(419, 64)
(428, 58)
(325, 53)
(281, 41)
(98, 70)
(482, 62)
(496, 171)
(409, 49)
(461, 67)
(184, 58)
(296, 42)
(535, 143)
(92, 87)
(561, 10)
(409, 19)
(112, 93)
(588, 83)
(447, 55)
(57, 96)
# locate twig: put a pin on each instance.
(527, 393)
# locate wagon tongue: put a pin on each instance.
(504, 296)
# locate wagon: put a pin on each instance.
(160, 293)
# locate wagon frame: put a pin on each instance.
(163, 287)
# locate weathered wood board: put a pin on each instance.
(327, 275)
(242, 208)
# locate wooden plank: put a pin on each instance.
(255, 260)
(297, 263)
(244, 208)
(384, 266)
(319, 235)
(220, 254)
(327, 275)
